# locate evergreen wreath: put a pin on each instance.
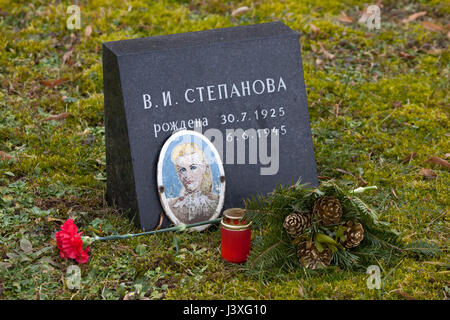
(299, 226)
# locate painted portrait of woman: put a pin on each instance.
(196, 200)
(193, 191)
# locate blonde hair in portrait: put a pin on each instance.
(185, 149)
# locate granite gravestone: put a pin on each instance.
(242, 87)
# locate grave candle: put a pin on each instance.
(235, 236)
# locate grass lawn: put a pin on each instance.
(379, 109)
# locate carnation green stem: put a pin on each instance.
(181, 227)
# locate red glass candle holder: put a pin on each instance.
(235, 236)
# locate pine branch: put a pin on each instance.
(274, 249)
(372, 255)
(363, 212)
(345, 259)
(268, 250)
(330, 188)
(277, 255)
(423, 248)
(382, 238)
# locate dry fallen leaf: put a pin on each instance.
(314, 29)
(405, 55)
(240, 11)
(66, 56)
(366, 14)
(300, 291)
(50, 219)
(5, 265)
(409, 157)
(53, 83)
(130, 296)
(435, 52)
(345, 18)
(325, 52)
(414, 16)
(88, 31)
(84, 133)
(432, 26)
(394, 194)
(319, 62)
(439, 161)
(57, 117)
(344, 172)
(5, 156)
(427, 173)
(405, 295)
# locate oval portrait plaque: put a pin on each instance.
(191, 179)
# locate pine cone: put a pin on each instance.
(328, 209)
(354, 234)
(310, 257)
(296, 223)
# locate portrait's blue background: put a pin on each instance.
(172, 185)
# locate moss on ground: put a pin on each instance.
(382, 96)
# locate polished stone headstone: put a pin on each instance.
(247, 77)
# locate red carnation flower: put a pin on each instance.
(70, 243)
